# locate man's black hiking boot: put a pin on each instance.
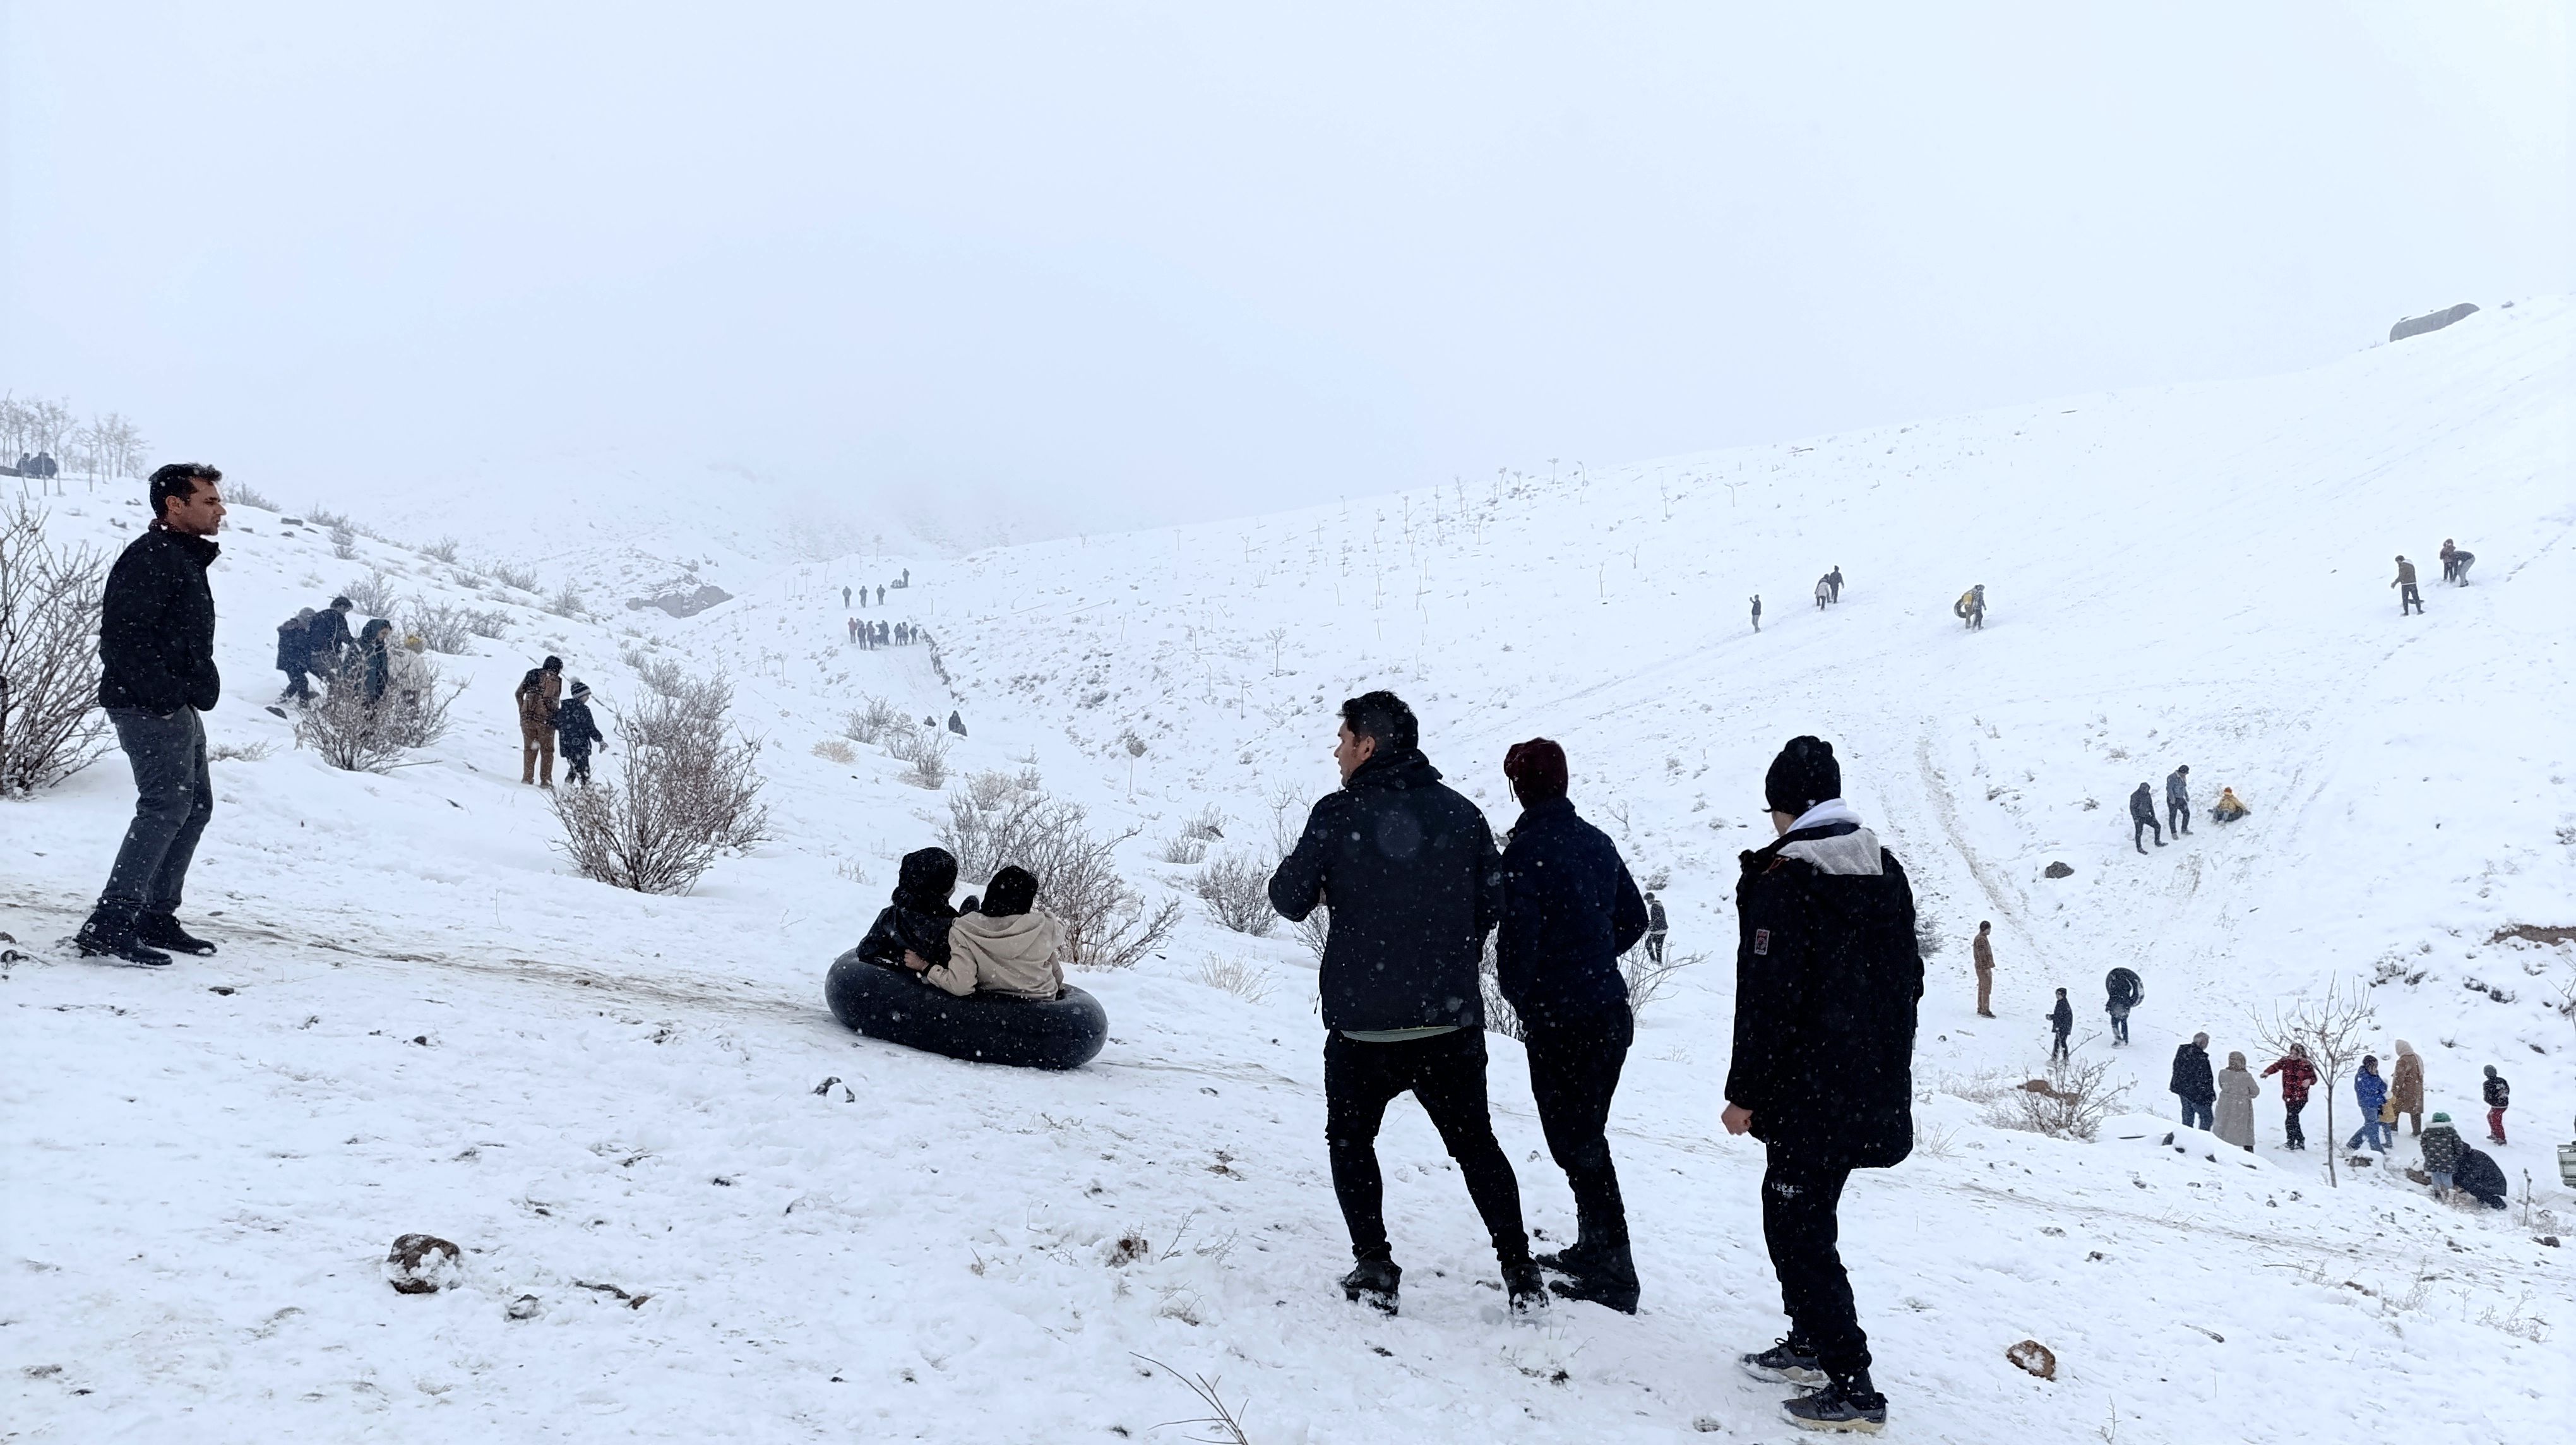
(1373, 1282)
(1842, 1405)
(162, 930)
(1526, 1286)
(1788, 1362)
(104, 936)
(1602, 1274)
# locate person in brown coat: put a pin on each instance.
(537, 695)
(2406, 1088)
(1984, 949)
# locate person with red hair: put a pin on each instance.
(1569, 911)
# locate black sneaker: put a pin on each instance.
(1788, 1362)
(1373, 1283)
(1526, 1286)
(1845, 1405)
(103, 937)
(162, 930)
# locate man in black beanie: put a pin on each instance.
(1827, 978)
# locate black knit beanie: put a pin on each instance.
(1804, 775)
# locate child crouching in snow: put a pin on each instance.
(1002, 945)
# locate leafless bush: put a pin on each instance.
(344, 542)
(1247, 981)
(1106, 923)
(373, 594)
(511, 574)
(484, 621)
(444, 549)
(239, 494)
(1236, 891)
(1184, 850)
(929, 758)
(50, 726)
(566, 603)
(1210, 823)
(359, 736)
(660, 674)
(1288, 808)
(440, 627)
(992, 786)
(836, 751)
(2070, 1103)
(257, 752)
(1648, 979)
(690, 791)
(1500, 1016)
(1313, 930)
(869, 723)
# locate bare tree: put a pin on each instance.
(1275, 637)
(691, 791)
(1236, 891)
(50, 726)
(2335, 1028)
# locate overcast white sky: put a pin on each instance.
(1064, 266)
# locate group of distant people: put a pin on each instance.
(316, 643)
(2455, 570)
(2142, 809)
(2223, 1104)
(873, 635)
(39, 465)
(898, 585)
(553, 716)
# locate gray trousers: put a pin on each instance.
(174, 795)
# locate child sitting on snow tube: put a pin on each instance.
(981, 985)
(2229, 807)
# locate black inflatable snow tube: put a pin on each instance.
(892, 1004)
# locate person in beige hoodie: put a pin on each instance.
(2406, 1088)
(1002, 945)
(2237, 1092)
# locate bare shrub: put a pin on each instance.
(1210, 823)
(691, 790)
(566, 603)
(439, 627)
(1288, 809)
(869, 723)
(1648, 979)
(344, 542)
(1314, 930)
(257, 752)
(237, 494)
(2070, 1103)
(929, 760)
(511, 574)
(836, 751)
(373, 593)
(1247, 981)
(660, 674)
(1500, 1016)
(1236, 891)
(355, 735)
(484, 621)
(1106, 923)
(444, 550)
(50, 725)
(1184, 850)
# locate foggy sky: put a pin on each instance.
(1032, 268)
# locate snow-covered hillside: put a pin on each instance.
(422, 1021)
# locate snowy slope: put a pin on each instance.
(429, 1025)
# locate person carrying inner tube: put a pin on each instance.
(916, 922)
(1001, 945)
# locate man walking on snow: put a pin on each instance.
(2407, 596)
(2061, 1022)
(1757, 612)
(1983, 948)
(1827, 979)
(1834, 579)
(537, 695)
(2178, 800)
(156, 652)
(2142, 813)
(1656, 928)
(1410, 872)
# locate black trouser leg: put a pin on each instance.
(1799, 1200)
(2058, 1050)
(174, 794)
(2291, 1134)
(1446, 1075)
(2177, 818)
(1574, 1071)
(1655, 947)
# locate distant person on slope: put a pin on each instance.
(1757, 612)
(2191, 1081)
(2442, 1146)
(1834, 579)
(1409, 870)
(537, 694)
(2297, 1077)
(1569, 911)
(2499, 1097)
(956, 724)
(1824, 592)
(577, 732)
(1657, 929)
(329, 639)
(2455, 564)
(2126, 993)
(2371, 1092)
(294, 654)
(2142, 813)
(2406, 1090)
(1982, 948)
(2237, 1092)
(845, 598)
(156, 653)
(375, 664)
(854, 629)
(2407, 596)
(2178, 800)
(1001, 944)
(2229, 807)
(1828, 979)
(881, 594)
(1971, 607)
(2061, 1022)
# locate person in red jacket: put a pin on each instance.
(2297, 1077)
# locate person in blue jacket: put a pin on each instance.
(2370, 1091)
(1569, 911)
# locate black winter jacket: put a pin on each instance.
(2478, 1173)
(1409, 870)
(156, 635)
(326, 637)
(575, 729)
(2142, 805)
(293, 635)
(2497, 1092)
(2191, 1077)
(919, 914)
(1827, 977)
(1569, 910)
(2062, 1018)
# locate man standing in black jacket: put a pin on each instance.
(1569, 911)
(1408, 869)
(1827, 979)
(2193, 1083)
(156, 649)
